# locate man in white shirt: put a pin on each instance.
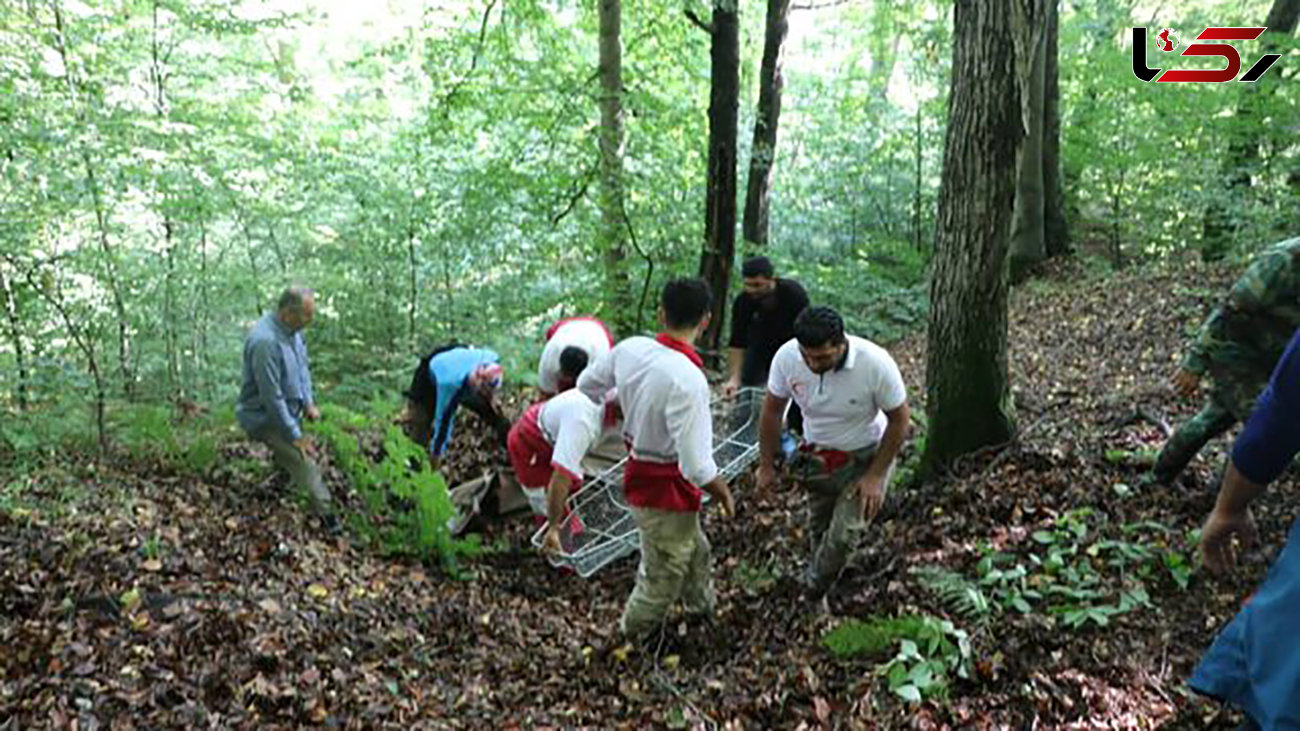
(547, 446)
(855, 417)
(666, 420)
(571, 344)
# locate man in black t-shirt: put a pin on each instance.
(762, 320)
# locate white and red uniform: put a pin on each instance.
(666, 420)
(586, 333)
(555, 435)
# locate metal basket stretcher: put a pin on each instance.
(600, 528)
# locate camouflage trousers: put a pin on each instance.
(675, 564)
(835, 522)
(1230, 400)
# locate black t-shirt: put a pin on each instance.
(763, 325)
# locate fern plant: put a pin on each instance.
(407, 508)
(961, 596)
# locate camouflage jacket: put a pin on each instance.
(1251, 329)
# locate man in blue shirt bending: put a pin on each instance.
(277, 394)
(1254, 663)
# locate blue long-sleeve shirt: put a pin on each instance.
(1271, 438)
(277, 379)
(450, 370)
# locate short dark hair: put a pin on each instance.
(686, 301)
(573, 360)
(758, 266)
(819, 326)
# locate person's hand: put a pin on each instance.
(765, 477)
(871, 494)
(721, 493)
(551, 543)
(1218, 553)
(311, 412)
(731, 387)
(304, 445)
(1185, 383)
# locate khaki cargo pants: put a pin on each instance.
(675, 564)
(303, 470)
(835, 524)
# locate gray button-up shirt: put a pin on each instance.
(277, 379)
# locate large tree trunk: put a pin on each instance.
(968, 394)
(15, 339)
(1222, 216)
(720, 204)
(617, 282)
(1028, 246)
(763, 152)
(1056, 229)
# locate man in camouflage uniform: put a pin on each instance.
(1237, 347)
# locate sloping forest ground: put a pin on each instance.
(131, 597)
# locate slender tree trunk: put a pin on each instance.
(967, 382)
(198, 313)
(916, 183)
(413, 289)
(763, 151)
(618, 281)
(159, 77)
(720, 205)
(253, 270)
(85, 342)
(1028, 246)
(114, 286)
(883, 46)
(109, 258)
(1056, 229)
(15, 339)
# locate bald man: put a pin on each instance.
(277, 395)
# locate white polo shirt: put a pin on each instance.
(571, 423)
(844, 407)
(585, 333)
(665, 400)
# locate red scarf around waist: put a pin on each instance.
(530, 453)
(659, 485)
(834, 459)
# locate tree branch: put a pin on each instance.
(650, 262)
(819, 6)
(706, 27)
(577, 195)
(473, 61)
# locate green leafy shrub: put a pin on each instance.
(928, 651)
(406, 508)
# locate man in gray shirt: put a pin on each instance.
(277, 394)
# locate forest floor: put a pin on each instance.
(131, 597)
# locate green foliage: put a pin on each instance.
(961, 595)
(1077, 576)
(154, 433)
(757, 578)
(929, 652)
(407, 509)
